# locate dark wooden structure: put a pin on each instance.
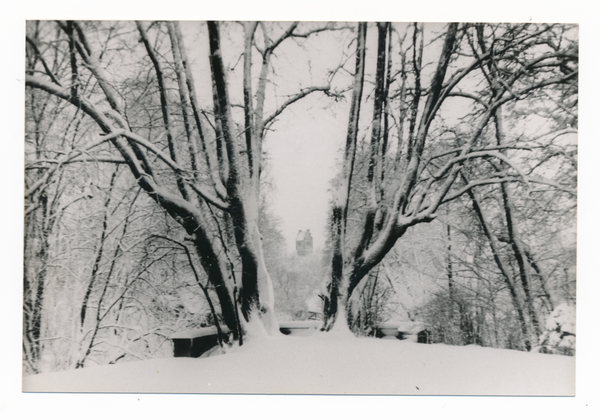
(424, 336)
(194, 343)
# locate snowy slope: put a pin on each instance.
(329, 364)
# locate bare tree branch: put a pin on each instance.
(291, 100)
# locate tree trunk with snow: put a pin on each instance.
(337, 286)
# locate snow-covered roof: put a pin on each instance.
(197, 332)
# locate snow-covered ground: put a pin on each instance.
(326, 363)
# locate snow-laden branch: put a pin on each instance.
(201, 190)
(450, 172)
(486, 181)
(291, 100)
(91, 61)
(479, 62)
(552, 183)
(486, 153)
(555, 134)
(67, 159)
(528, 89)
(485, 149)
(501, 178)
(104, 119)
(45, 163)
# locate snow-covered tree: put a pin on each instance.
(559, 335)
(437, 133)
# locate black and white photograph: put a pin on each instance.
(277, 207)
(300, 214)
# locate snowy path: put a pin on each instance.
(325, 364)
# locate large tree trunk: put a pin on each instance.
(243, 198)
(334, 302)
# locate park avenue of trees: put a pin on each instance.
(147, 190)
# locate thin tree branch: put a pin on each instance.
(291, 100)
(41, 58)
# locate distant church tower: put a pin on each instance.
(304, 243)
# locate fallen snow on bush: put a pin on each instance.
(559, 336)
(327, 363)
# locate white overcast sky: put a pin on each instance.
(302, 156)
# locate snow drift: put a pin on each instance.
(327, 363)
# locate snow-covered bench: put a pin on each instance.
(194, 343)
(298, 327)
(414, 331)
(411, 331)
(387, 330)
